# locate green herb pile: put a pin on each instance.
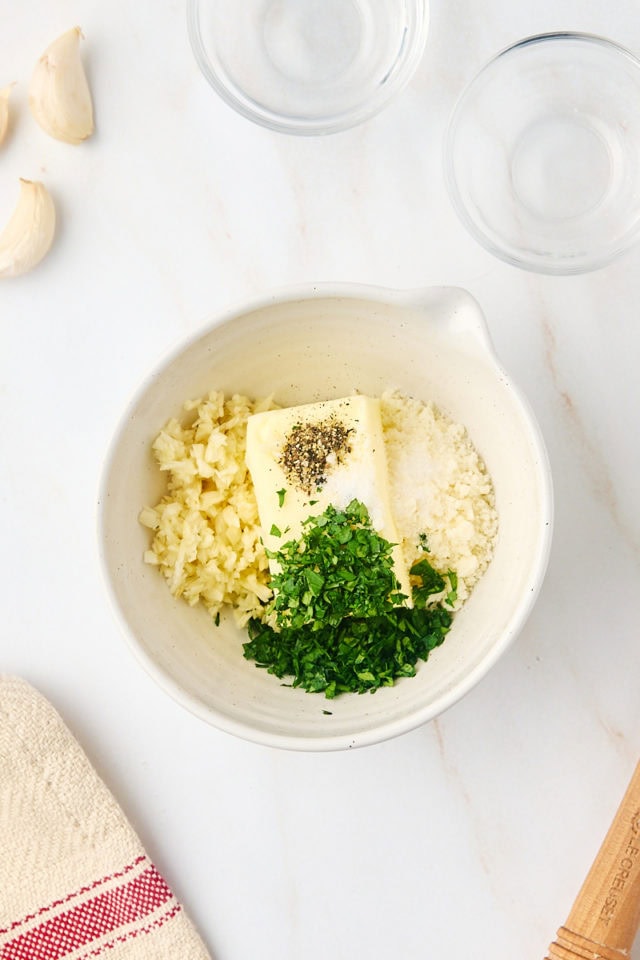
(339, 622)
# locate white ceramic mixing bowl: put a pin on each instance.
(321, 343)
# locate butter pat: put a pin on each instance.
(303, 458)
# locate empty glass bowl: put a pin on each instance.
(542, 153)
(307, 66)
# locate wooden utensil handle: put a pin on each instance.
(604, 919)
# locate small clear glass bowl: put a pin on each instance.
(307, 66)
(542, 154)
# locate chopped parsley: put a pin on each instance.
(452, 596)
(275, 531)
(281, 495)
(341, 567)
(338, 620)
(356, 655)
(431, 582)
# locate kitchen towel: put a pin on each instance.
(75, 881)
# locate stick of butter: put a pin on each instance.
(303, 458)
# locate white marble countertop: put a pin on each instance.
(469, 837)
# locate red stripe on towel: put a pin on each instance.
(98, 916)
(73, 896)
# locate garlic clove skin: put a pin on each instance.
(59, 95)
(29, 233)
(4, 110)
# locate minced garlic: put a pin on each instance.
(206, 532)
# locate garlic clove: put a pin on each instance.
(59, 95)
(28, 235)
(4, 110)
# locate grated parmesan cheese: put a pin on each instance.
(440, 487)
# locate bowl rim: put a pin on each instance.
(539, 563)
(396, 80)
(557, 267)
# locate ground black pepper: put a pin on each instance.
(312, 449)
